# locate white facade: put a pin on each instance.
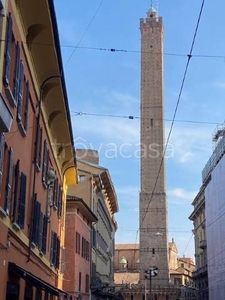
(215, 231)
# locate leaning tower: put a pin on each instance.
(152, 202)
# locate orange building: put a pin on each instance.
(37, 161)
(79, 219)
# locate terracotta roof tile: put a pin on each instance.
(126, 246)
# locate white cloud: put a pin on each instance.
(191, 144)
(181, 194)
(219, 84)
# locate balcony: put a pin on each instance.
(203, 244)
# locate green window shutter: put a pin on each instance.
(34, 220)
(37, 218)
(17, 73)
(57, 252)
(44, 235)
(45, 163)
(25, 120)
(40, 235)
(55, 193)
(2, 152)
(52, 247)
(60, 203)
(8, 51)
(15, 191)
(22, 200)
(20, 94)
(8, 188)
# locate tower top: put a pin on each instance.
(152, 12)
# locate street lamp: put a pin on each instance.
(152, 272)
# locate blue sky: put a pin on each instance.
(108, 83)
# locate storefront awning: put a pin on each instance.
(36, 281)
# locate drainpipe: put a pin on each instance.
(35, 158)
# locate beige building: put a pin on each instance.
(95, 187)
(200, 275)
(153, 203)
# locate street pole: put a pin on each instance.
(150, 285)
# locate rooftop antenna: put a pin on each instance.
(156, 3)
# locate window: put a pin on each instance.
(36, 218)
(2, 152)
(38, 294)
(19, 196)
(11, 66)
(38, 150)
(9, 38)
(55, 250)
(8, 187)
(81, 178)
(39, 227)
(55, 193)
(87, 251)
(80, 277)
(44, 234)
(87, 284)
(83, 248)
(22, 106)
(60, 203)
(22, 200)
(45, 164)
(77, 243)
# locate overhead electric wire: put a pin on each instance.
(75, 47)
(188, 243)
(131, 117)
(175, 111)
(86, 30)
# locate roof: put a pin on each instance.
(152, 10)
(187, 260)
(175, 272)
(91, 164)
(72, 200)
(126, 246)
(106, 180)
(126, 277)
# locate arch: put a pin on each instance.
(33, 31)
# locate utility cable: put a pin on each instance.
(76, 113)
(188, 243)
(86, 30)
(175, 111)
(123, 50)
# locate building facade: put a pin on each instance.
(95, 187)
(200, 275)
(79, 219)
(208, 219)
(37, 161)
(127, 274)
(153, 203)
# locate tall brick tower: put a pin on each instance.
(153, 203)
